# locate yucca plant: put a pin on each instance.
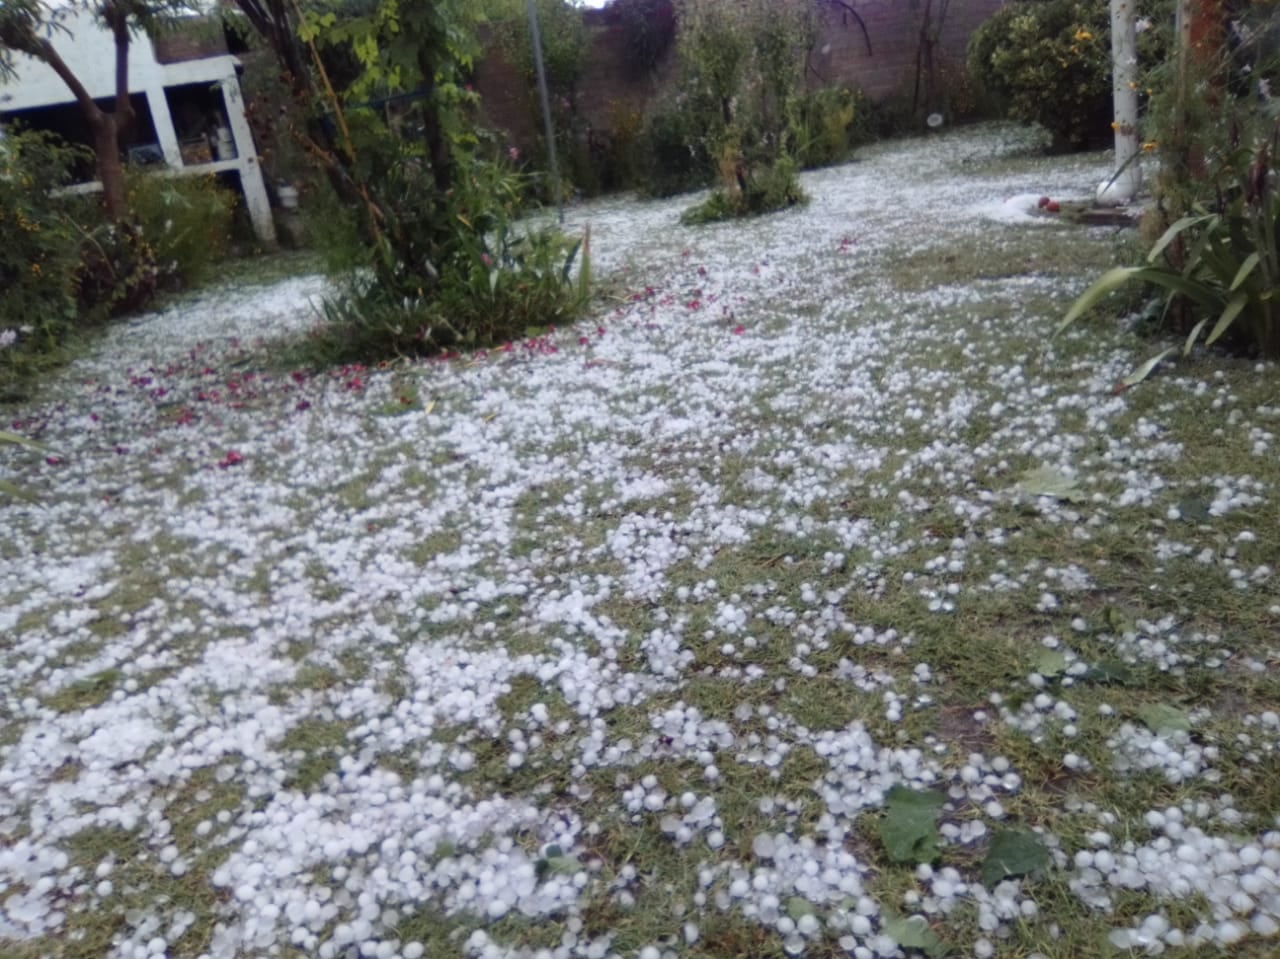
(1230, 264)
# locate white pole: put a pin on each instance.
(1125, 182)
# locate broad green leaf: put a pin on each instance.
(1108, 283)
(1250, 263)
(1051, 662)
(911, 932)
(1111, 671)
(1174, 231)
(563, 865)
(1193, 336)
(1013, 852)
(1047, 481)
(1160, 716)
(1194, 508)
(1238, 303)
(909, 828)
(1143, 371)
(798, 908)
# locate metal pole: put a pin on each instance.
(536, 39)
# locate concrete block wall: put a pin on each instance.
(840, 57)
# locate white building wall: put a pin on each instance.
(89, 51)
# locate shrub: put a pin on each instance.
(39, 253)
(741, 69)
(763, 189)
(1229, 273)
(479, 282)
(825, 125)
(1218, 137)
(186, 220)
(118, 272)
(1050, 63)
(673, 154)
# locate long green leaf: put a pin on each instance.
(1143, 371)
(1200, 255)
(1193, 336)
(1248, 266)
(1108, 283)
(7, 437)
(1174, 231)
(567, 269)
(1238, 303)
(17, 492)
(1203, 293)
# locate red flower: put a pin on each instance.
(738, 330)
(231, 459)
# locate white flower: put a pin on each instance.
(7, 338)
(1142, 25)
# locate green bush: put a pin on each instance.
(673, 153)
(39, 253)
(118, 272)
(1217, 264)
(1050, 63)
(187, 221)
(763, 189)
(478, 279)
(827, 121)
(741, 67)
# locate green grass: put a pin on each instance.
(792, 682)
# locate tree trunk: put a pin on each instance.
(105, 127)
(438, 151)
(106, 148)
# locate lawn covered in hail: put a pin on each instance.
(806, 599)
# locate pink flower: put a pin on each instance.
(739, 330)
(231, 459)
(513, 153)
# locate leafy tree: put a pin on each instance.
(741, 67)
(397, 141)
(25, 28)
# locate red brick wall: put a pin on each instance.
(894, 30)
(840, 57)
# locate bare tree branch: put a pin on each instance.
(850, 11)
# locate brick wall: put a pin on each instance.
(839, 57)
